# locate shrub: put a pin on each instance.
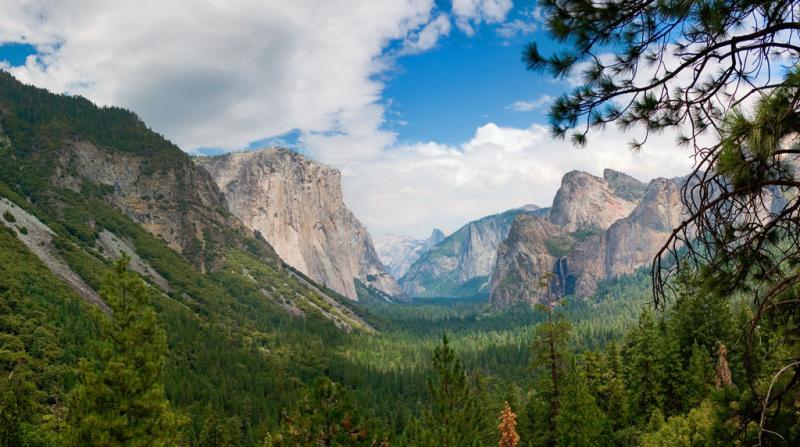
(9, 217)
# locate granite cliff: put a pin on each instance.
(599, 229)
(296, 204)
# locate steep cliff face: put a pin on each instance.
(624, 186)
(297, 206)
(578, 259)
(460, 265)
(586, 202)
(398, 252)
(522, 261)
(85, 183)
(174, 200)
(629, 243)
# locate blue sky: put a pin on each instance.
(424, 106)
(444, 94)
(15, 53)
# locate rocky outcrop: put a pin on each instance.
(586, 202)
(461, 264)
(523, 260)
(172, 199)
(38, 237)
(575, 258)
(398, 252)
(296, 204)
(629, 243)
(624, 186)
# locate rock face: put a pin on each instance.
(461, 264)
(624, 186)
(586, 202)
(629, 243)
(174, 200)
(296, 204)
(398, 252)
(522, 260)
(578, 258)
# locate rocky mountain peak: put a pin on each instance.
(624, 186)
(623, 239)
(587, 202)
(296, 204)
(436, 236)
(461, 264)
(398, 253)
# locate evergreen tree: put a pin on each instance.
(644, 373)
(699, 377)
(702, 319)
(326, 416)
(550, 359)
(454, 416)
(613, 393)
(580, 421)
(120, 400)
(18, 403)
(219, 431)
(671, 367)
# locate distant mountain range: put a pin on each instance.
(398, 252)
(287, 211)
(461, 264)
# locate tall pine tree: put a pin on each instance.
(120, 400)
(454, 416)
(550, 359)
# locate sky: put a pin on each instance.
(423, 105)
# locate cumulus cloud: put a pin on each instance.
(428, 36)
(470, 13)
(528, 22)
(225, 74)
(529, 106)
(222, 73)
(414, 187)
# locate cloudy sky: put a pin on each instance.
(424, 105)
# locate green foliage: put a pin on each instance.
(454, 416)
(219, 431)
(120, 400)
(645, 36)
(18, 402)
(559, 246)
(693, 429)
(325, 415)
(580, 421)
(9, 217)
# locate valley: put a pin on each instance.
(306, 224)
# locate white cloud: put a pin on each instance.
(428, 36)
(225, 74)
(219, 73)
(470, 13)
(412, 188)
(529, 106)
(528, 22)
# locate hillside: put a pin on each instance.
(79, 187)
